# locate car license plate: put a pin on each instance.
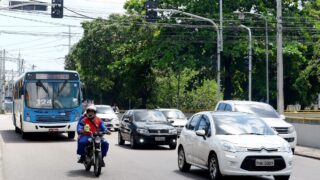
(53, 130)
(264, 162)
(160, 138)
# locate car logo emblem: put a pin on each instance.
(159, 131)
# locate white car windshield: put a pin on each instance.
(241, 125)
(104, 110)
(174, 114)
(261, 110)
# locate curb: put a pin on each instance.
(1, 159)
(306, 155)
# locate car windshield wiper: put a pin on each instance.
(251, 134)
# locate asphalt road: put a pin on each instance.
(49, 156)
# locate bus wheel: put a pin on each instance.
(23, 134)
(16, 129)
(71, 135)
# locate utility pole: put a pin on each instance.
(2, 84)
(280, 96)
(1, 106)
(18, 65)
(220, 49)
(221, 25)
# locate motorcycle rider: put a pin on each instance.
(87, 125)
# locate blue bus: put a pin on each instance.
(47, 101)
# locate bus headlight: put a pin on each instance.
(28, 116)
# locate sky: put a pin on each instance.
(43, 41)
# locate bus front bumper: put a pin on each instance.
(58, 127)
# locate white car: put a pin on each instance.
(233, 143)
(175, 116)
(110, 118)
(266, 113)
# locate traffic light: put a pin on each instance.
(57, 8)
(151, 15)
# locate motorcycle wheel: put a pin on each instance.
(97, 165)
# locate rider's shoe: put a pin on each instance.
(81, 160)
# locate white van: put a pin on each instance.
(265, 112)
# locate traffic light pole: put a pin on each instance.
(250, 61)
(219, 40)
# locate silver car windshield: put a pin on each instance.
(262, 110)
(241, 125)
(52, 95)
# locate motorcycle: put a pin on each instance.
(93, 155)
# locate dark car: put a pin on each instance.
(142, 126)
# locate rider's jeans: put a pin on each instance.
(83, 141)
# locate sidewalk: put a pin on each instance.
(307, 152)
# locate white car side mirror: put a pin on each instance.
(201, 132)
(283, 117)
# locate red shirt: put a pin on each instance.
(93, 128)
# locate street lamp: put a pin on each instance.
(219, 40)
(250, 58)
(241, 17)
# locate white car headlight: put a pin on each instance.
(291, 129)
(230, 147)
(285, 148)
(173, 131)
(115, 120)
(142, 131)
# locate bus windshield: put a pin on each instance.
(52, 95)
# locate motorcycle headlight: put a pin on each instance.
(230, 147)
(291, 129)
(97, 139)
(285, 148)
(142, 131)
(173, 131)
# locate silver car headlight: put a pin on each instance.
(173, 131)
(142, 131)
(230, 147)
(291, 129)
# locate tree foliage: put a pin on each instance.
(172, 62)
